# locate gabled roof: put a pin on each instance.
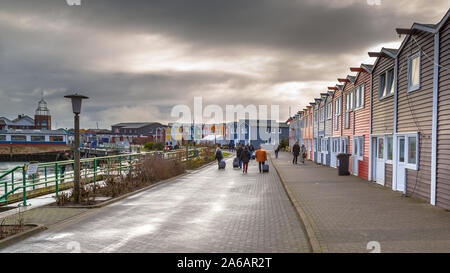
(384, 53)
(364, 68)
(430, 28)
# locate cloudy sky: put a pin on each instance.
(136, 59)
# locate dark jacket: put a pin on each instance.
(277, 149)
(296, 149)
(239, 151)
(219, 155)
(245, 156)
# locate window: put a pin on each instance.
(401, 154)
(361, 147)
(38, 138)
(381, 148)
(414, 72)
(329, 111)
(2, 138)
(412, 150)
(322, 114)
(389, 148)
(337, 106)
(386, 84)
(337, 113)
(56, 138)
(359, 97)
(18, 138)
(408, 150)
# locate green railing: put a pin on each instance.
(53, 174)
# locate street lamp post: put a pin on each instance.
(76, 107)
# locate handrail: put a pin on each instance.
(55, 173)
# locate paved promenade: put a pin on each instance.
(209, 210)
(344, 213)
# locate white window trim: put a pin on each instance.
(387, 160)
(362, 97)
(417, 54)
(356, 139)
(385, 73)
(329, 111)
(408, 165)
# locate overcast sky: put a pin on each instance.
(137, 59)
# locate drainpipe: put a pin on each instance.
(370, 128)
(435, 120)
(394, 135)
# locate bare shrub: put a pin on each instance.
(11, 229)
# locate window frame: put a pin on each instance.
(389, 161)
(329, 111)
(360, 92)
(411, 166)
(417, 54)
(385, 75)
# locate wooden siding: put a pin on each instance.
(349, 131)
(414, 111)
(388, 175)
(382, 110)
(443, 137)
(362, 124)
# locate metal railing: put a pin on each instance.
(53, 174)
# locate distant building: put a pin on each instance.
(42, 120)
(154, 131)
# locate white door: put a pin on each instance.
(319, 151)
(374, 159)
(334, 151)
(355, 156)
(401, 164)
(380, 161)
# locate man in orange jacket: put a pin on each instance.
(261, 157)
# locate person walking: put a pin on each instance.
(238, 154)
(303, 153)
(261, 157)
(245, 158)
(252, 150)
(295, 152)
(277, 150)
(219, 156)
(63, 157)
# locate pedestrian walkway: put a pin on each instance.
(345, 213)
(208, 210)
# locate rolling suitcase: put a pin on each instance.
(265, 168)
(236, 163)
(222, 164)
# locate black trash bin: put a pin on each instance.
(343, 163)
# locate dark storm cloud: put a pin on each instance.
(48, 46)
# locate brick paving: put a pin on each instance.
(209, 210)
(346, 212)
